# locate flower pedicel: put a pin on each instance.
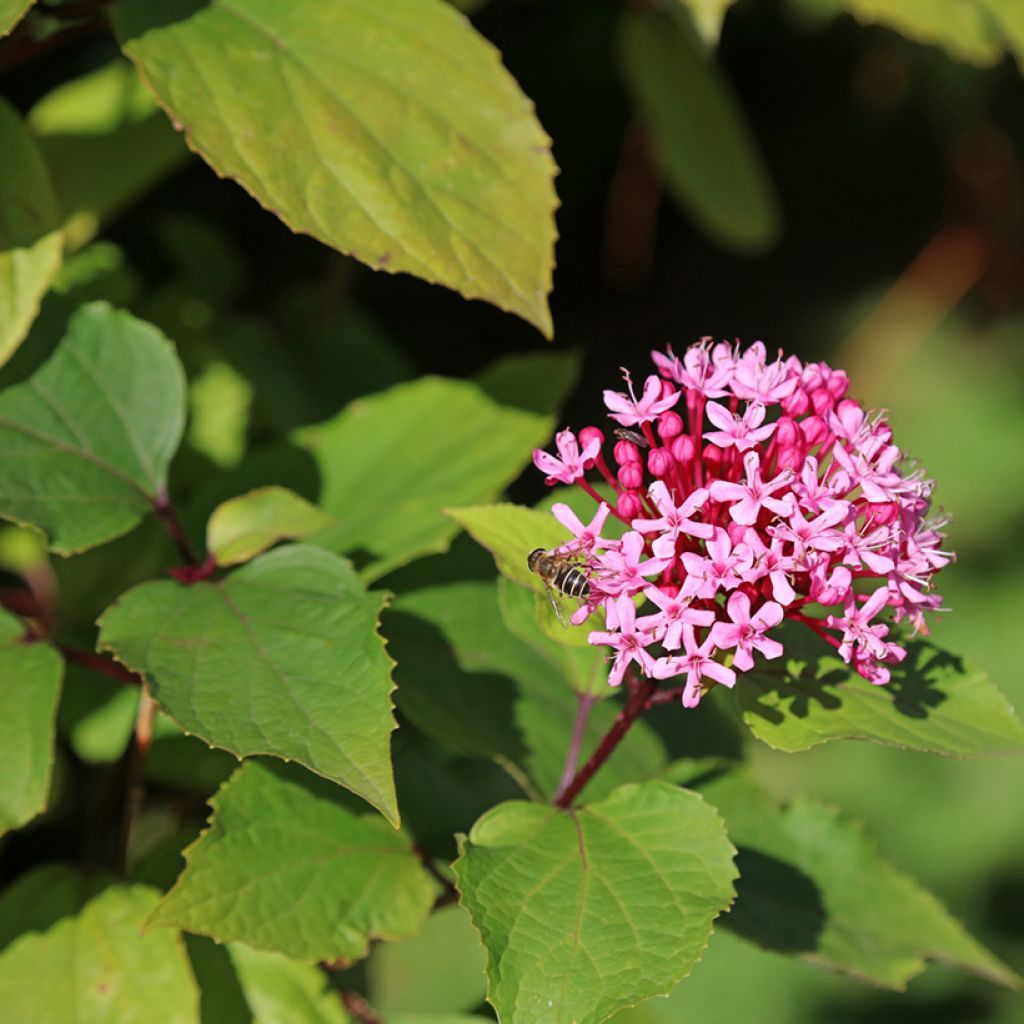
(764, 494)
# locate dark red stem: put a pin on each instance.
(166, 514)
(360, 1008)
(640, 694)
(99, 663)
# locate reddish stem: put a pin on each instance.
(99, 663)
(165, 513)
(360, 1008)
(601, 501)
(572, 757)
(639, 697)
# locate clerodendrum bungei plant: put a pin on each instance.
(277, 743)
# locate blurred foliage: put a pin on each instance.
(842, 178)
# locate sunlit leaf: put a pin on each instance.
(350, 122)
(30, 240)
(285, 865)
(246, 526)
(86, 442)
(392, 462)
(30, 678)
(934, 702)
(698, 131)
(282, 657)
(11, 12)
(813, 885)
(586, 912)
(99, 965)
(708, 16)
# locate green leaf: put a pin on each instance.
(85, 443)
(41, 897)
(934, 702)
(465, 680)
(350, 122)
(390, 463)
(30, 241)
(283, 991)
(708, 16)
(246, 526)
(11, 12)
(286, 866)
(812, 885)
(99, 966)
(585, 912)
(535, 381)
(282, 657)
(510, 533)
(30, 678)
(711, 163)
(438, 971)
(106, 144)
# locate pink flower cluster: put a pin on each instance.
(754, 491)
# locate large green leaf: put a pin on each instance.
(30, 241)
(285, 865)
(350, 121)
(41, 897)
(11, 12)
(712, 165)
(464, 679)
(106, 143)
(585, 912)
(390, 464)
(99, 966)
(85, 443)
(243, 527)
(30, 678)
(814, 886)
(934, 702)
(282, 657)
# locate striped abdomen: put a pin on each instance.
(572, 582)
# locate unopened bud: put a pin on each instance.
(822, 400)
(626, 452)
(670, 425)
(683, 449)
(660, 462)
(629, 505)
(787, 433)
(631, 475)
(797, 403)
(838, 384)
(814, 430)
(712, 459)
(588, 434)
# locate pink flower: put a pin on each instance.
(750, 497)
(587, 537)
(572, 464)
(675, 520)
(697, 662)
(746, 632)
(629, 644)
(628, 411)
(743, 432)
(764, 521)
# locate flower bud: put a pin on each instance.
(814, 430)
(670, 425)
(683, 449)
(822, 400)
(660, 462)
(790, 458)
(668, 389)
(588, 434)
(631, 475)
(797, 403)
(626, 452)
(629, 505)
(838, 383)
(787, 433)
(712, 459)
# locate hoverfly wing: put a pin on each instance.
(554, 599)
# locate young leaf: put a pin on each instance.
(282, 658)
(711, 162)
(812, 885)
(30, 241)
(391, 462)
(708, 16)
(100, 965)
(11, 12)
(468, 682)
(285, 865)
(934, 702)
(350, 122)
(282, 991)
(85, 443)
(585, 912)
(30, 678)
(106, 143)
(246, 526)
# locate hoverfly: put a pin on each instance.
(560, 574)
(632, 435)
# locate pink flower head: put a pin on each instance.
(797, 518)
(628, 411)
(572, 462)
